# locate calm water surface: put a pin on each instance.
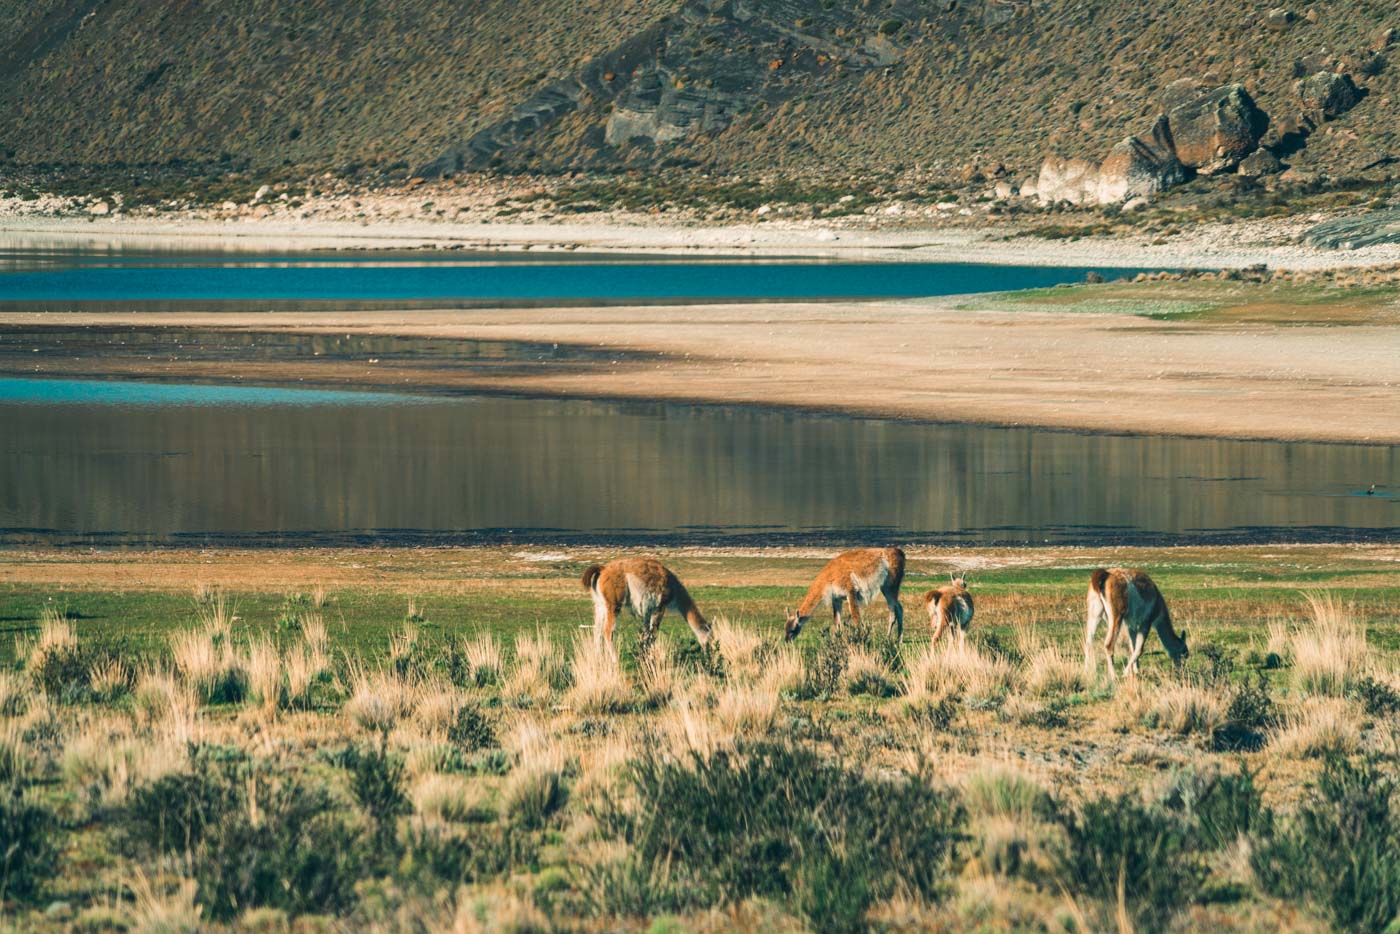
(150, 463)
(58, 279)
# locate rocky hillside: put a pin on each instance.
(809, 87)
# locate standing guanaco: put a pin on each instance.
(1127, 595)
(847, 581)
(646, 587)
(949, 604)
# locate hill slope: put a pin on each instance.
(806, 87)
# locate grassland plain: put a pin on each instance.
(427, 739)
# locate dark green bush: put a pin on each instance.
(823, 668)
(478, 853)
(1342, 847)
(1221, 807)
(1150, 851)
(253, 837)
(471, 730)
(376, 778)
(1379, 699)
(1250, 715)
(172, 813)
(782, 822)
(28, 836)
(64, 673)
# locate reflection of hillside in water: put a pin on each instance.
(541, 468)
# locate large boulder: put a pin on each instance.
(1072, 180)
(1137, 169)
(1213, 130)
(1328, 94)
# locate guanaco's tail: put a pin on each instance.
(1097, 580)
(931, 594)
(590, 576)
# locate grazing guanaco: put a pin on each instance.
(646, 587)
(1128, 596)
(847, 581)
(949, 604)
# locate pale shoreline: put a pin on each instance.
(1215, 246)
(936, 360)
(1075, 372)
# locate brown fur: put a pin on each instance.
(647, 588)
(1128, 596)
(943, 605)
(839, 585)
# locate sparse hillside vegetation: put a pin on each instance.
(963, 89)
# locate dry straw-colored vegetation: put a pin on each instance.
(249, 779)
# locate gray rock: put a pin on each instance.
(1214, 130)
(1073, 180)
(1279, 18)
(1137, 169)
(1328, 93)
(1351, 233)
(1259, 163)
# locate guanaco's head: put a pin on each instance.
(794, 624)
(958, 580)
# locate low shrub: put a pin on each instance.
(252, 837)
(777, 821)
(28, 833)
(823, 669)
(376, 778)
(471, 730)
(1146, 853)
(1379, 698)
(1341, 848)
(1249, 717)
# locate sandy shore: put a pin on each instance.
(922, 359)
(1273, 242)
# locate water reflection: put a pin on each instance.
(520, 470)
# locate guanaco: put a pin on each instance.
(950, 604)
(646, 587)
(1127, 595)
(847, 581)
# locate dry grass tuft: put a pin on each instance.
(1329, 653)
(484, 659)
(688, 728)
(742, 649)
(1049, 671)
(1186, 708)
(451, 798)
(746, 710)
(539, 668)
(981, 680)
(1318, 727)
(164, 910)
(378, 700)
(56, 637)
(657, 671)
(599, 686)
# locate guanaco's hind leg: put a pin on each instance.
(940, 623)
(604, 621)
(1094, 614)
(854, 609)
(653, 625)
(896, 613)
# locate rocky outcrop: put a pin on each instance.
(1201, 130)
(1327, 95)
(1075, 181)
(1139, 169)
(1211, 131)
